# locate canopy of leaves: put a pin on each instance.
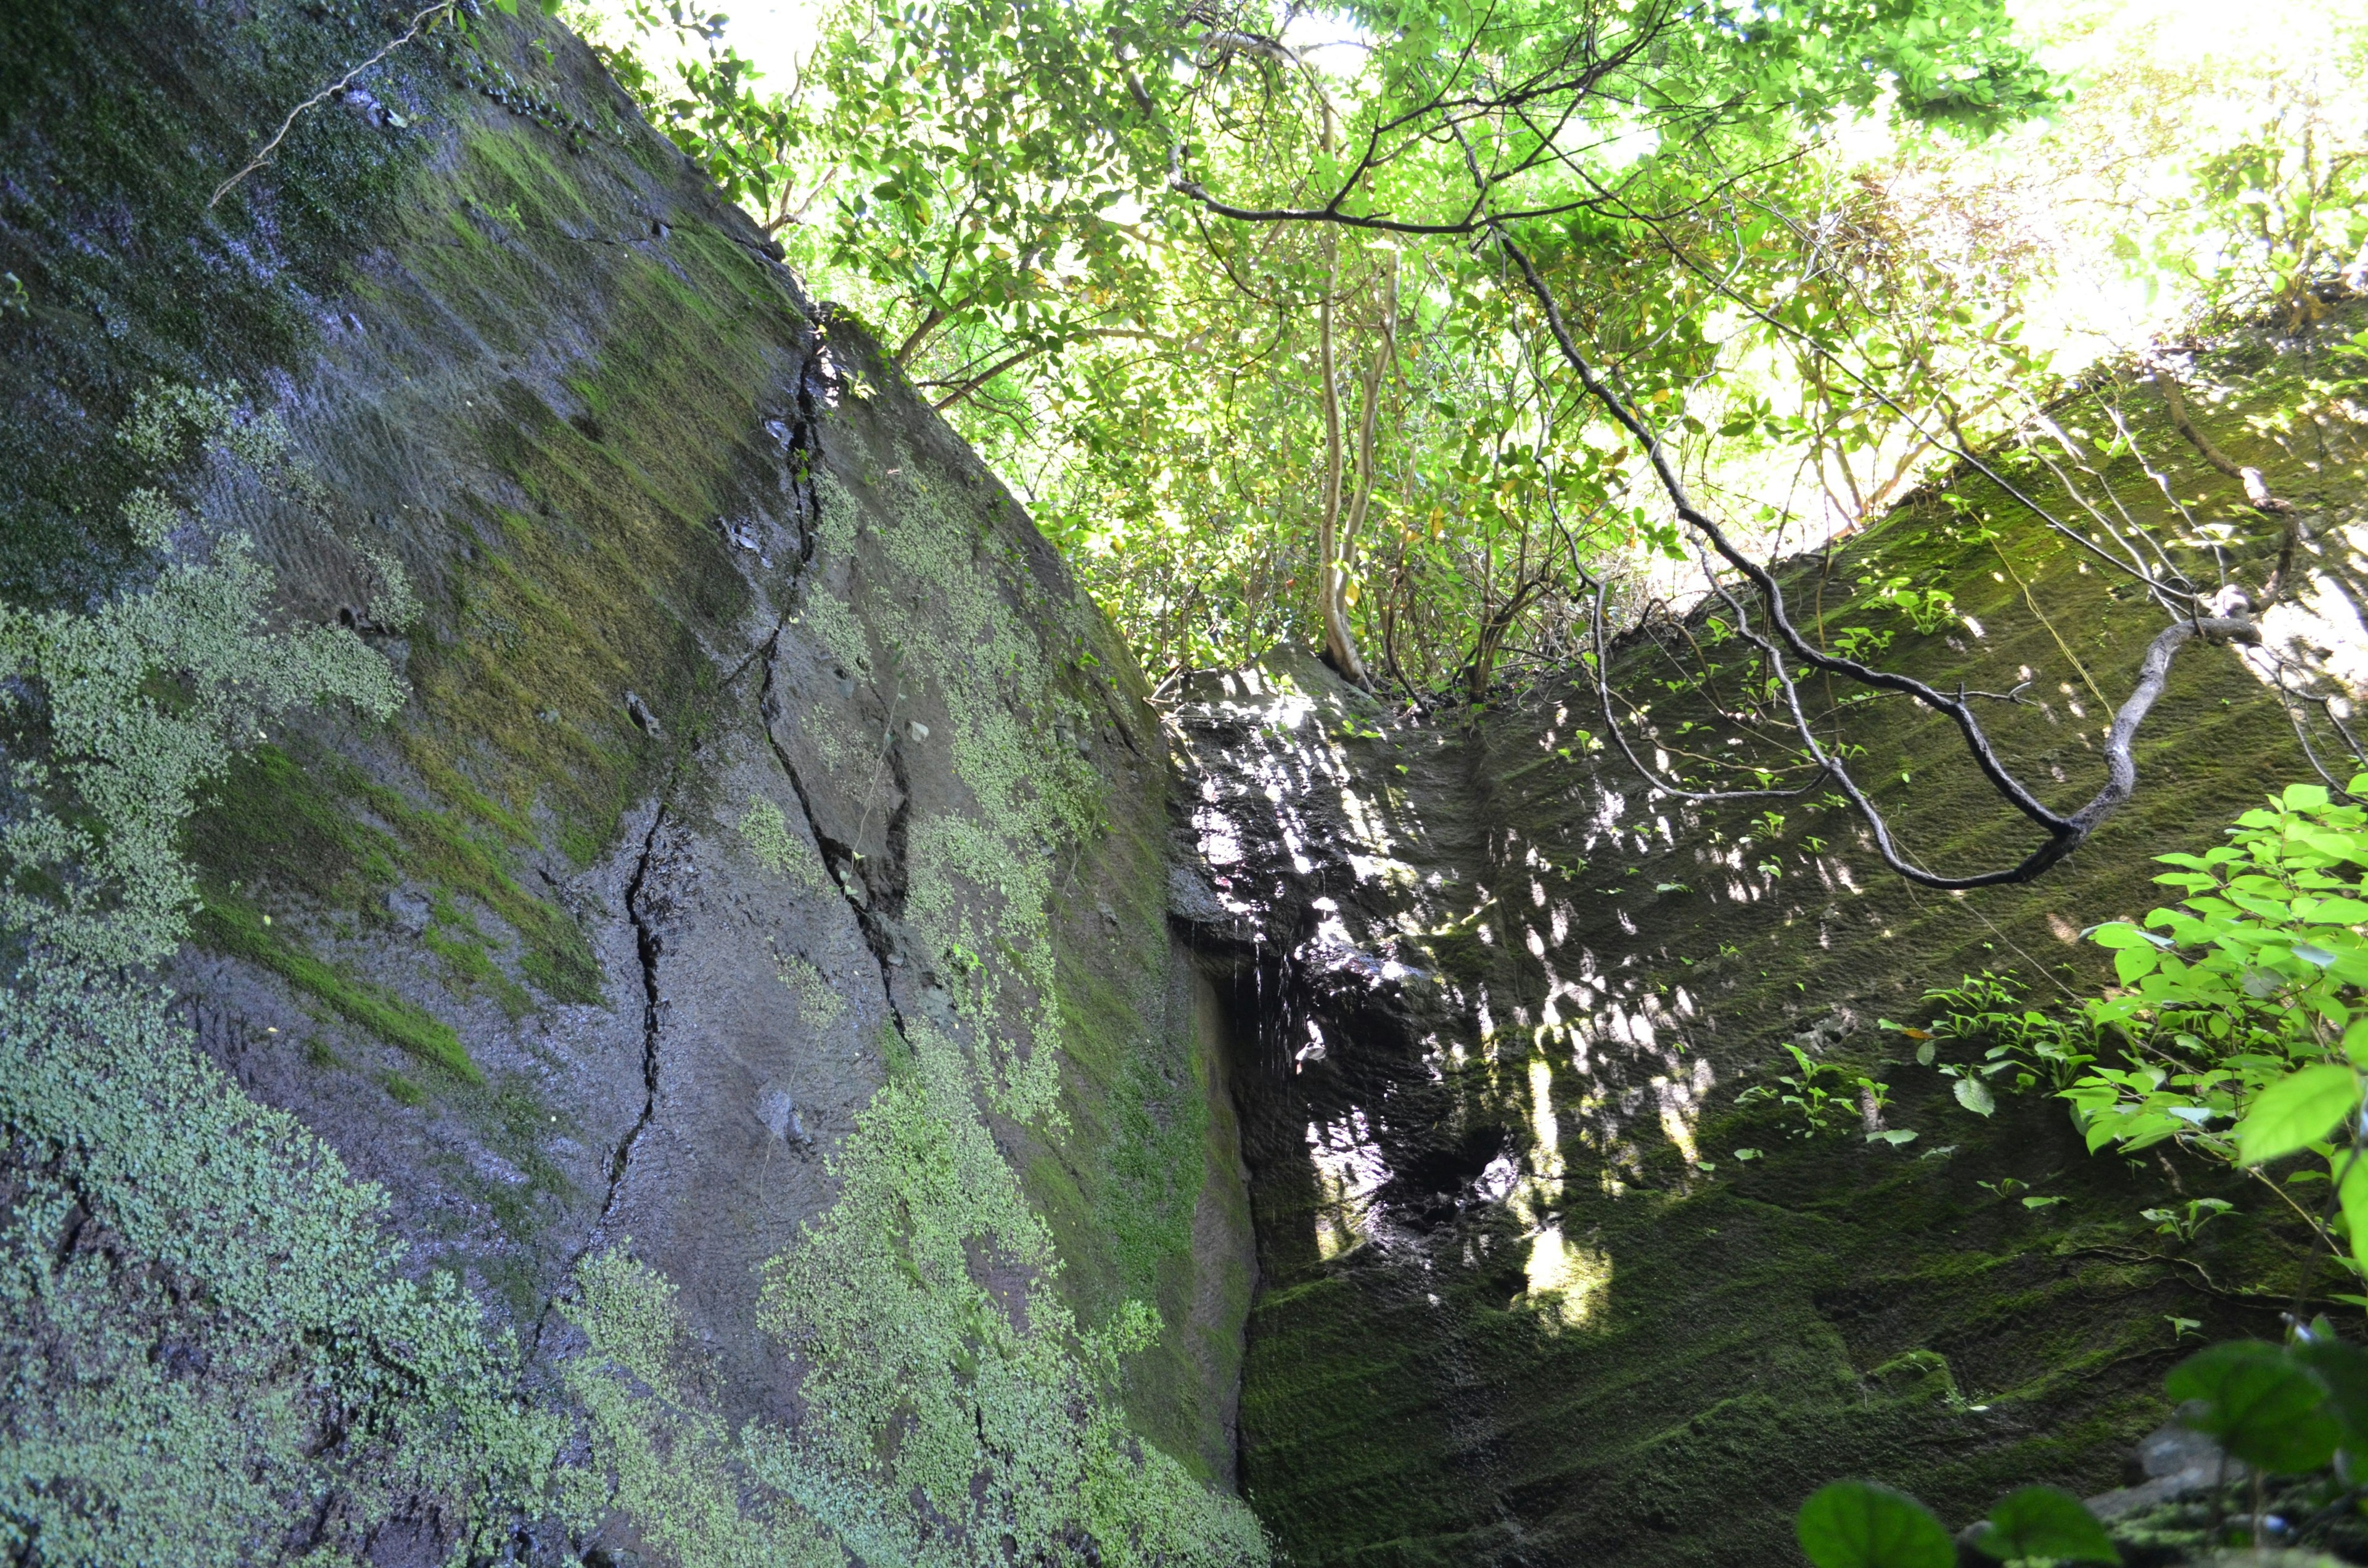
(1209, 285)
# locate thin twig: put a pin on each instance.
(419, 24)
(2065, 833)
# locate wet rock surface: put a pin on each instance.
(769, 816)
(1536, 1286)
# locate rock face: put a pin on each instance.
(1549, 1272)
(702, 1013)
(742, 963)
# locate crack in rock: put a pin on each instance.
(647, 945)
(868, 917)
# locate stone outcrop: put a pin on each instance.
(774, 1051)
(1549, 1274)
(743, 962)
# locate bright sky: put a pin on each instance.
(776, 33)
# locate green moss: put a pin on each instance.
(272, 818)
(556, 620)
(139, 108)
(175, 1382)
(452, 935)
(229, 924)
(766, 833)
(294, 822)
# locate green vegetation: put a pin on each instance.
(174, 1388)
(919, 1360)
(2233, 1034)
(302, 828)
(2231, 1037)
(1225, 292)
(229, 925)
(2296, 1415)
(766, 833)
(1243, 429)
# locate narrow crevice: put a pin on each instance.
(875, 934)
(805, 453)
(646, 945)
(801, 450)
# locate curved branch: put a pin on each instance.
(419, 24)
(2064, 833)
(1695, 517)
(2120, 768)
(2257, 489)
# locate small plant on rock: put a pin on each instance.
(2298, 1410)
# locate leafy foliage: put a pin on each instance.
(2283, 1409)
(2238, 1008)
(1817, 1097)
(2236, 1032)
(1784, 232)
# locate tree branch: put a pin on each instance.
(2064, 833)
(419, 24)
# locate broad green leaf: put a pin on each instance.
(1856, 1524)
(2298, 1109)
(1975, 1097)
(2132, 964)
(2046, 1521)
(2261, 1406)
(2352, 1193)
(2341, 1368)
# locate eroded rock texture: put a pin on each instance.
(742, 963)
(766, 1056)
(1548, 1272)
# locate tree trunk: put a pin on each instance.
(1331, 577)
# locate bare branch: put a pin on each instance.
(1668, 786)
(2257, 489)
(1957, 450)
(419, 24)
(2064, 833)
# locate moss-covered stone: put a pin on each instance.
(1521, 1298)
(621, 959)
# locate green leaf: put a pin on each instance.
(2133, 964)
(2341, 1368)
(2260, 1405)
(2297, 1110)
(2352, 1194)
(1855, 1524)
(1975, 1097)
(2046, 1521)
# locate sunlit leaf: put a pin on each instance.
(2297, 1110)
(1856, 1524)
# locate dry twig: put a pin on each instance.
(419, 24)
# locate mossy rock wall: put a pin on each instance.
(742, 967)
(1521, 1299)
